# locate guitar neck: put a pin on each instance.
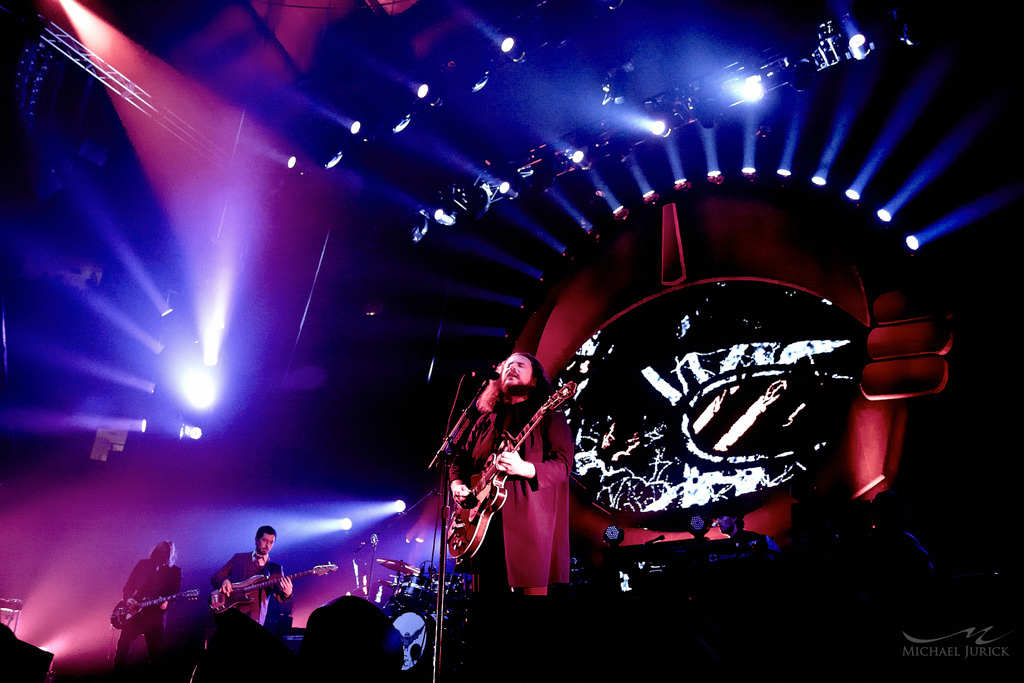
(157, 601)
(491, 470)
(276, 579)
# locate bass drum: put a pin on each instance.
(417, 633)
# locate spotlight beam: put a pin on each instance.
(943, 155)
(906, 112)
(973, 212)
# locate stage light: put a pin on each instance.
(748, 171)
(292, 161)
(510, 47)
(576, 156)
(506, 189)
(345, 523)
(399, 506)
(613, 535)
(191, 431)
(335, 160)
(819, 181)
(753, 89)
(859, 46)
(621, 213)
(607, 98)
(856, 41)
(481, 82)
(907, 25)
(419, 231)
(912, 242)
(402, 125)
(650, 197)
(699, 525)
(884, 215)
(660, 128)
(199, 389)
(853, 194)
(784, 172)
(457, 201)
(355, 128)
(682, 184)
(443, 217)
(422, 90)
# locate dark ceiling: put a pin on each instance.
(319, 396)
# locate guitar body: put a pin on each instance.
(242, 593)
(469, 525)
(122, 613)
(246, 592)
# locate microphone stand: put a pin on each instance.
(442, 458)
(375, 538)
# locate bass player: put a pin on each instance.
(243, 566)
(526, 545)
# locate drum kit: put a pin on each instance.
(412, 608)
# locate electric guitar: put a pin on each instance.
(487, 494)
(245, 592)
(123, 613)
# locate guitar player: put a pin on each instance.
(242, 566)
(526, 546)
(153, 577)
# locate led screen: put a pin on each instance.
(710, 392)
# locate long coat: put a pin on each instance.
(535, 516)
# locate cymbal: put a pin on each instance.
(398, 566)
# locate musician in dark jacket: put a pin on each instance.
(154, 577)
(243, 566)
(526, 546)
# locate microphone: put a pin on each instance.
(485, 375)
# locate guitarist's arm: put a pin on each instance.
(553, 460)
(222, 578)
(512, 464)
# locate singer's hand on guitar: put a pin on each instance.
(286, 588)
(511, 463)
(225, 587)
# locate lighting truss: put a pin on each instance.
(834, 43)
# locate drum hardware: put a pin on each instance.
(398, 566)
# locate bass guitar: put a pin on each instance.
(245, 592)
(487, 491)
(124, 612)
